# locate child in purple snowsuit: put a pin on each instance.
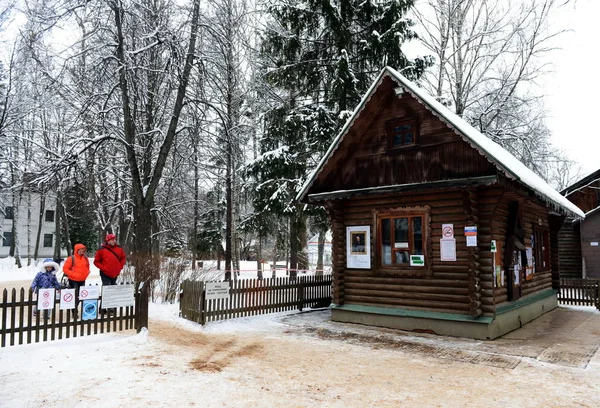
(45, 279)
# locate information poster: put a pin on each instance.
(358, 247)
(471, 235)
(117, 296)
(448, 249)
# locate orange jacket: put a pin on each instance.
(77, 267)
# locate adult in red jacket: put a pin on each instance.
(110, 259)
(77, 269)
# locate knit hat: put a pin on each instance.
(109, 237)
(50, 262)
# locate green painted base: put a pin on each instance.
(509, 316)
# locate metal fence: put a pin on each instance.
(249, 297)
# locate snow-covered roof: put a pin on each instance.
(505, 161)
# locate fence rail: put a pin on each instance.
(251, 297)
(583, 292)
(19, 325)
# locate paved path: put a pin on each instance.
(564, 336)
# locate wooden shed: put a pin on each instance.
(579, 239)
(435, 227)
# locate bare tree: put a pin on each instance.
(488, 55)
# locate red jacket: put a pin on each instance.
(77, 267)
(110, 260)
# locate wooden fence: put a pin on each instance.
(19, 325)
(584, 292)
(251, 297)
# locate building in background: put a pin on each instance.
(579, 240)
(313, 250)
(36, 223)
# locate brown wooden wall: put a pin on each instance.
(362, 158)
(569, 250)
(590, 232)
(587, 198)
(466, 286)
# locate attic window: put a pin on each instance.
(402, 133)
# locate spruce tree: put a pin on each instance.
(321, 56)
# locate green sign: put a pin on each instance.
(417, 260)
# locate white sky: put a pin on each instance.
(573, 88)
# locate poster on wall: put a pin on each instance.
(358, 247)
(448, 249)
(471, 235)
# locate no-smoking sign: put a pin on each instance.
(447, 231)
(67, 299)
(45, 299)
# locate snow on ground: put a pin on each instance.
(293, 360)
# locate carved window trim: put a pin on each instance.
(403, 269)
(402, 133)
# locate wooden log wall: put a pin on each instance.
(472, 218)
(338, 250)
(541, 279)
(569, 250)
(465, 286)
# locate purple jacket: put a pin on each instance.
(44, 280)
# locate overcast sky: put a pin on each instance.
(573, 88)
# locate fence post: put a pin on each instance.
(202, 304)
(301, 293)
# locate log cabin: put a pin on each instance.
(579, 239)
(436, 228)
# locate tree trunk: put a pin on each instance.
(320, 252)
(40, 223)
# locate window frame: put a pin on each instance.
(9, 212)
(398, 122)
(543, 252)
(403, 212)
(51, 241)
(46, 215)
(7, 239)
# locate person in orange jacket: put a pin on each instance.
(77, 269)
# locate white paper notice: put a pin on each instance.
(45, 299)
(358, 247)
(471, 240)
(448, 249)
(67, 299)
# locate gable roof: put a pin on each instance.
(495, 153)
(584, 182)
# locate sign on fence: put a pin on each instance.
(217, 290)
(89, 292)
(117, 296)
(67, 299)
(90, 310)
(45, 299)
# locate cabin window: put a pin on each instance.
(402, 234)
(401, 133)
(541, 249)
(8, 213)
